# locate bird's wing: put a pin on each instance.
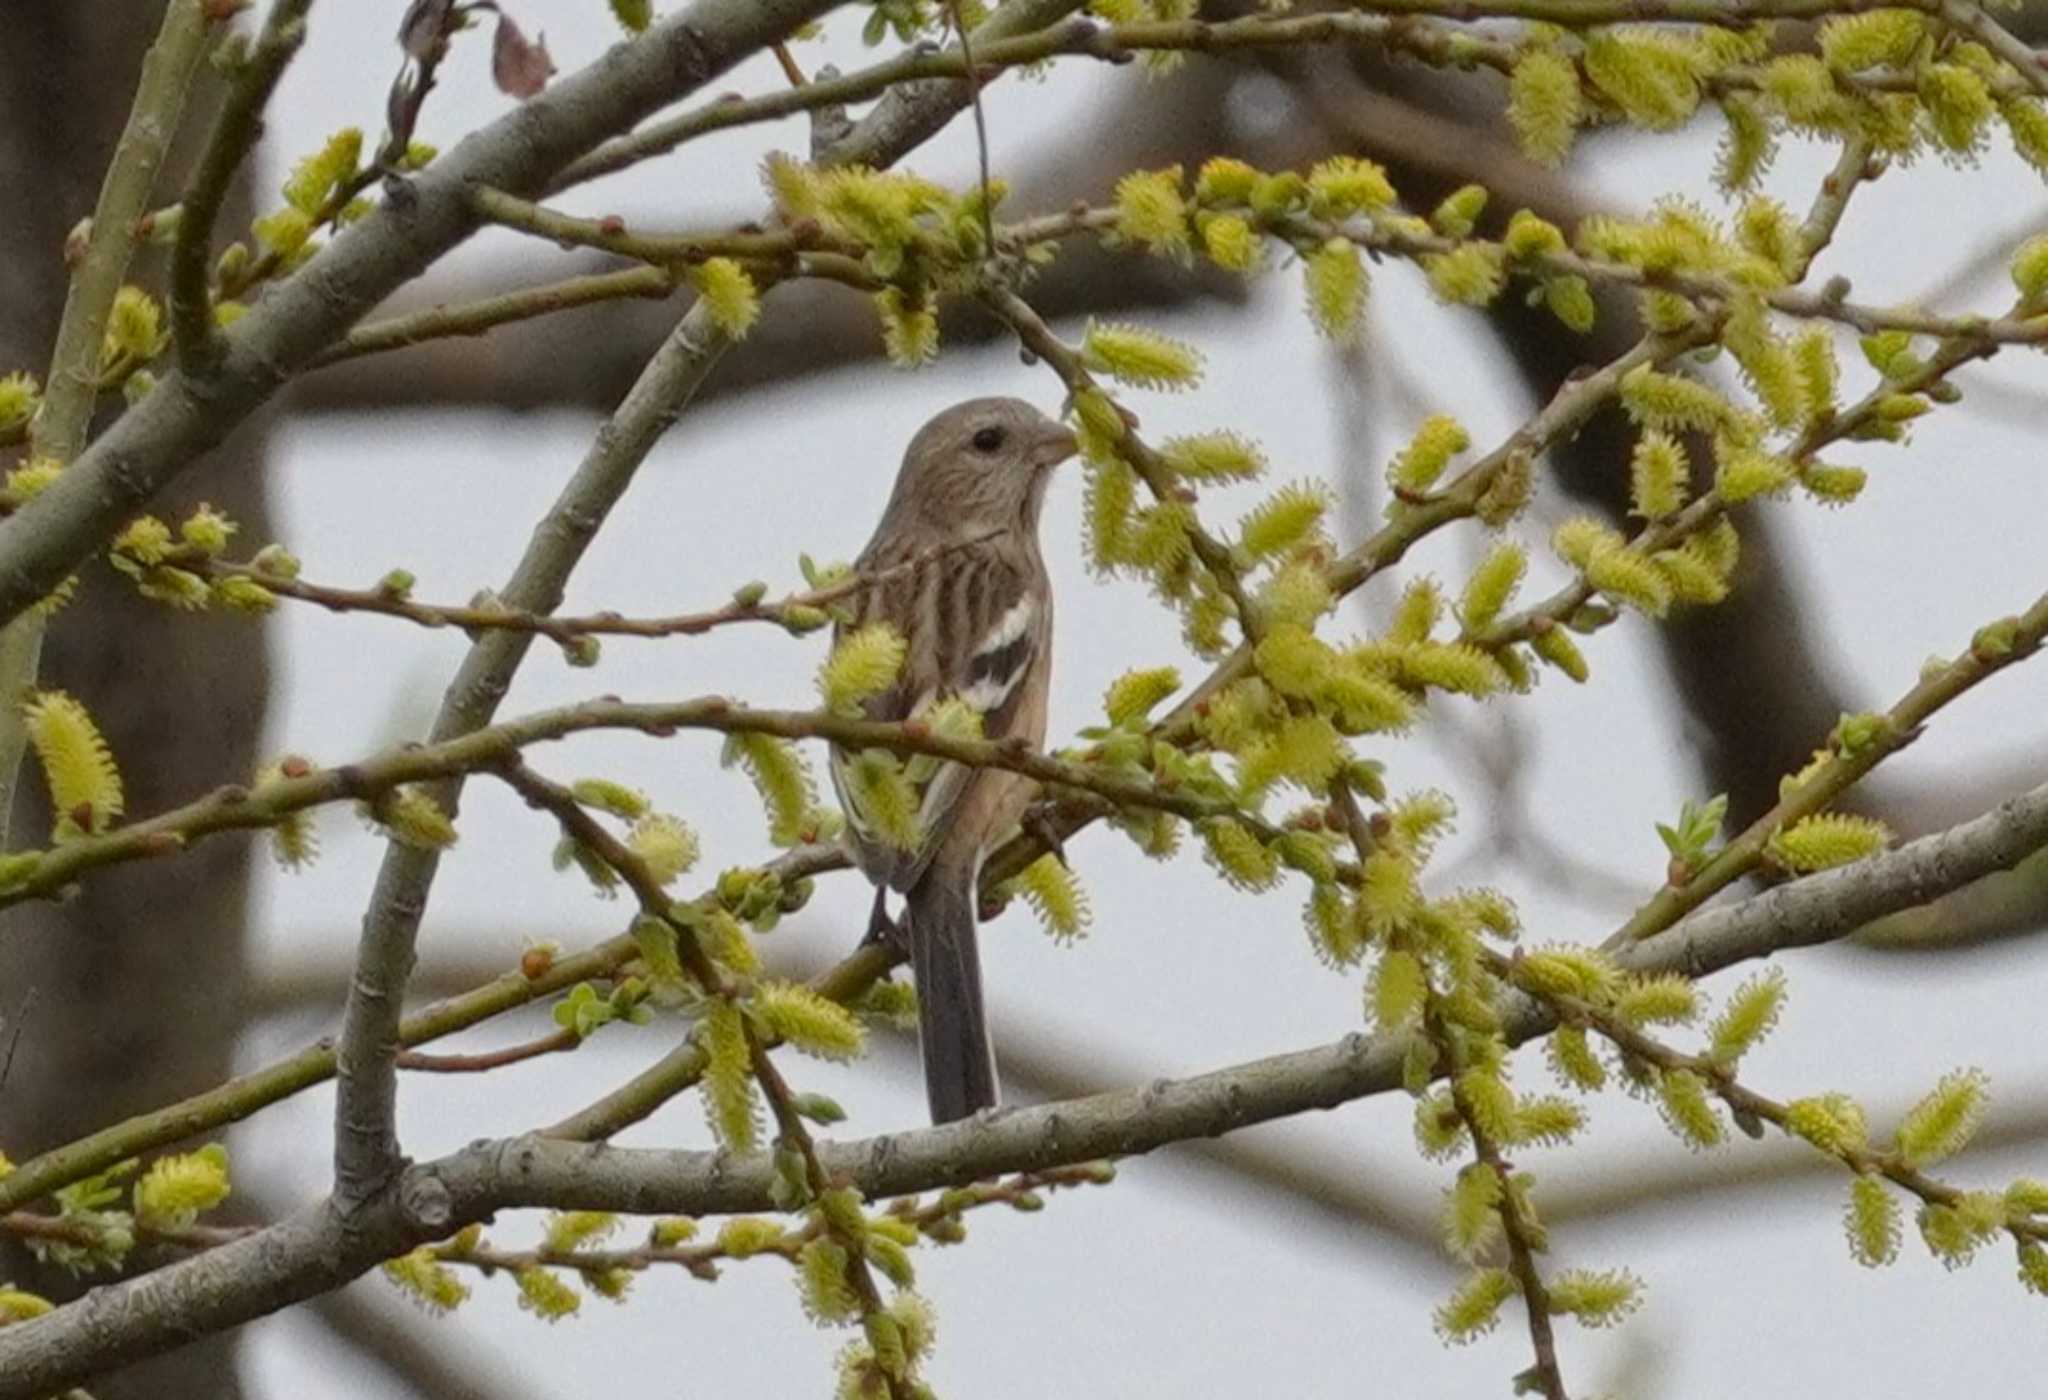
(974, 627)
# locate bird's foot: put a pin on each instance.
(885, 930)
(1038, 823)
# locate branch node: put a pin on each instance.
(424, 1198)
(830, 124)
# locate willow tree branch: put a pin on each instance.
(1835, 903)
(1966, 345)
(1037, 338)
(482, 1061)
(318, 1250)
(445, 761)
(1689, 1183)
(1431, 34)
(1971, 18)
(249, 1093)
(797, 612)
(235, 132)
(911, 113)
(1567, 410)
(781, 247)
(60, 424)
(1720, 1079)
(522, 153)
(1817, 909)
(713, 980)
(71, 389)
(486, 314)
(681, 1068)
(366, 1142)
(1544, 1377)
(1992, 650)
(366, 1136)
(419, 220)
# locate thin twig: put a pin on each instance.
(482, 1061)
(234, 135)
(681, 1068)
(1545, 1375)
(1038, 338)
(795, 612)
(786, 60)
(1749, 1105)
(655, 903)
(988, 204)
(479, 317)
(1521, 1233)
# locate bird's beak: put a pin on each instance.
(1056, 445)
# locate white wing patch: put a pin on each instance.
(1000, 661)
(1010, 626)
(988, 680)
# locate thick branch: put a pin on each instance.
(1835, 903)
(1130, 1121)
(312, 1252)
(417, 222)
(366, 1139)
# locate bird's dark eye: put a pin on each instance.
(988, 439)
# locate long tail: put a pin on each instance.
(959, 1066)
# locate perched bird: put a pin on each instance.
(967, 591)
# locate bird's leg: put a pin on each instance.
(1038, 822)
(882, 928)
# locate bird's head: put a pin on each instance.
(981, 465)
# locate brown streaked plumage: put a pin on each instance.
(978, 623)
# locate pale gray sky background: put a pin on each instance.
(1168, 1283)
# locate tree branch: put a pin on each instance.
(779, 251)
(419, 220)
(72, 385)
(317, 1250)
(239, 1098)
(681, 1068)
(366, 1146)
(475, 318)
(1430, 34)
(1992, 650)
(366, 1143)
(424, 1062)
(797, 613)
(47, 873)
(235, 132)
(1818, 909)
